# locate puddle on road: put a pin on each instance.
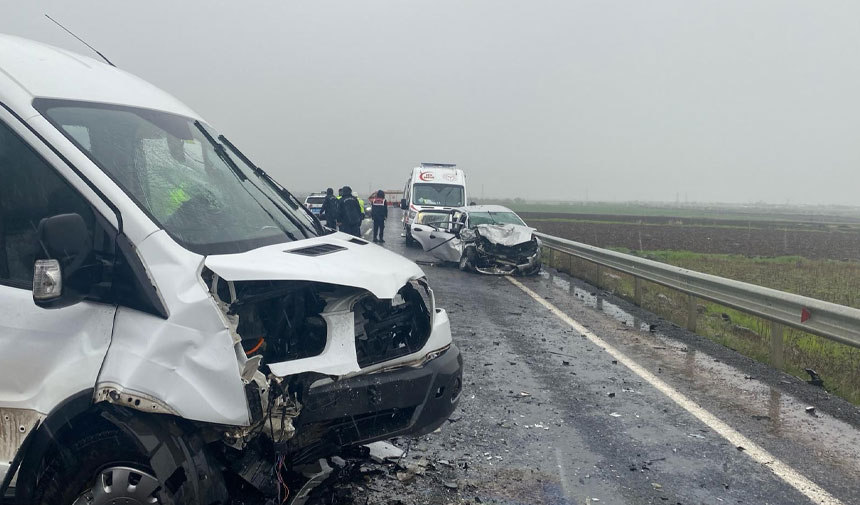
(781, 414)
(597, 302)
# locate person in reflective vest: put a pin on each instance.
(379, 213)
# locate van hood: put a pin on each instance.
(338, 258)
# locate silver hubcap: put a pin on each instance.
(120, 485)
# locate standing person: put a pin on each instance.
(350, 213)
(379, 213)
(329, 208)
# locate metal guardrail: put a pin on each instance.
(829, 320)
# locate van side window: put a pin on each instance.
(30, 190)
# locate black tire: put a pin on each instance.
(467, 260)
(409, 240)
(73, 470)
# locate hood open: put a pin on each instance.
(338, 258)
(505, 234)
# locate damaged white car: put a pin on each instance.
(489, 239)
(175, 326)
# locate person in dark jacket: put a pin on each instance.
(329, 208)
(379, 213)
(350, 213)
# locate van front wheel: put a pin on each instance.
(100, 469)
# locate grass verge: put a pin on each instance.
(829, 280)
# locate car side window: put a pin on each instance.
(30, 190)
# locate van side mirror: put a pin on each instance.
(66, 268)
(403, 204)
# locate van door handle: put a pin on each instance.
(417, 229)
(432, 236)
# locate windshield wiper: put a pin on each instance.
(272, 183)
(222, 153)
(225, 157)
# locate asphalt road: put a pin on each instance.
(574, 396)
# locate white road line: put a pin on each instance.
(367, 232)
(788, 475)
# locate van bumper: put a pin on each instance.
(378, 406)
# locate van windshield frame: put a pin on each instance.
(206, 198)
(438, 195)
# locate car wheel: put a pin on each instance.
(467, 260)
(410, 241)
(100, 469)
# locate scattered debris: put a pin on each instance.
(615, 414)
(380, 452)
(810, 410)
(611, 395)
(814, 378)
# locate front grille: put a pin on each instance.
(384, 331)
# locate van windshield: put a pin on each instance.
(204, 196)
(447, 195)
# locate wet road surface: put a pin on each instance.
(550, 416)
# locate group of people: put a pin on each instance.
(345, 212)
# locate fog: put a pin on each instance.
(730, 101)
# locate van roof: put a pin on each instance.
(30, 69)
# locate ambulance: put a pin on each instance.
(432, 186)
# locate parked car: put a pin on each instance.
(314, 203)
(175, 326)
(489, 239)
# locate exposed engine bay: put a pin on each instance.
(500, 250)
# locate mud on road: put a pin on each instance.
(548, 417)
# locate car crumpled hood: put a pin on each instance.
(505, 234)
(366, 266)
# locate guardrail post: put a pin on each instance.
(777, 333)
(692, 313)
(599, 280)
(637, 291)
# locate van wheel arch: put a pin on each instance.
(176, 453)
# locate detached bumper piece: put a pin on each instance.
(377, 406)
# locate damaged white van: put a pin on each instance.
(175, 327)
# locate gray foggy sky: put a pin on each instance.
(732, 101)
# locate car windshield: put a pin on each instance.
(171, 166)
(448, 195)
(476, 218)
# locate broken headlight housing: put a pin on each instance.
(423, 288)
(389, 329)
